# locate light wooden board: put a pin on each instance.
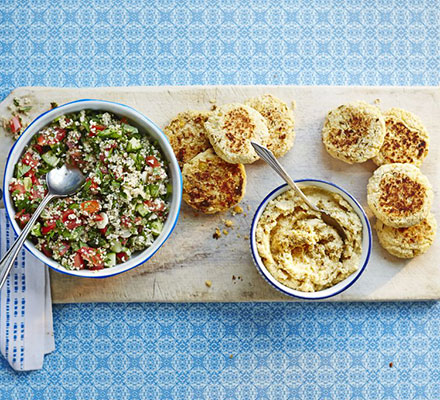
(177, 273)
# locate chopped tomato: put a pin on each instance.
(95, 128)
(17, 186)
(152, 161)
(76, 158)
(98, 217)
(124, 120)
(15, 124)
(72, 223)
(46, 140)
(50, 226)
(137, 222)
(61, 134)
(64, 247)
(122, 256)
(28, 159)
(72, 141)
(22, 217)
(41, 140)
(91, 255)
(91, 206)
(153, 206)
(39, 148)
(126, 221)
(34, 179)
(35, 194)
(49, 140)
(19, 214)
(78, 262)
(46, 251)
(97, 267)
(68, 222)
(110, 146)
(93, 184)
(65, 216)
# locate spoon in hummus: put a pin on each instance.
(268, 156)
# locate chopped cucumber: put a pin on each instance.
(140, 160)
(85, 125)
(133, 145)
(27, 182)
(116, 185)
(77, 232)
(116, 246)
(36, 230)
(75, 246)
(50, 158)
(110, 133)
(156, 227)
(110, 260)
(142, 209)
(126, 250)
(154, 190)
(129, 128)
(22, 169)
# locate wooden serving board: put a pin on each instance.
(178, 272)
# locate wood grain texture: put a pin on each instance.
(177, 273)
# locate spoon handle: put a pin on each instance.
(9, 258)
(268, 156)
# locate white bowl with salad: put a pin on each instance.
(129, 204)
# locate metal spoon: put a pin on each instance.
(268, 156)
(61, 182)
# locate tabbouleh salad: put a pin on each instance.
(122, 206)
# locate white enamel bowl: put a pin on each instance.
(141, 122)
(341, 286)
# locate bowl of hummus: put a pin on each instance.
(298, 253)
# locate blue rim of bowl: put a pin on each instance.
(280, 287)
(62, 269)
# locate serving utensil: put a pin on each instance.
(270, 159)
(61, 182)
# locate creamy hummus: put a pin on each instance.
(299, 249)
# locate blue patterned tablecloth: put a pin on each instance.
(228, 351)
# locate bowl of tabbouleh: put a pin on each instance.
(128, 205)
(298, 253)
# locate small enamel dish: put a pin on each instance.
(145, 125)
(339, 287)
